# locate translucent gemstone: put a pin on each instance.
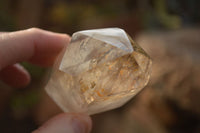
(99, 70)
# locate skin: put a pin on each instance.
(39, 47)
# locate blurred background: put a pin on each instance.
(169, 31)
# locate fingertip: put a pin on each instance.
(40, 33)
(48, 45)
(33, 44)
(66, 122)
(66, 37)
(83, 120)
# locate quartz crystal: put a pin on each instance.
(99, 70)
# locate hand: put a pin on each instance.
(38, 47)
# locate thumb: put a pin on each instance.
(67, 123)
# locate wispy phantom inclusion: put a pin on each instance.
(99, 70)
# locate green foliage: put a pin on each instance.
(26, 100)
(36, 72)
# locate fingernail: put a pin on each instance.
(81, 124)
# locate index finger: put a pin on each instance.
(34, 45)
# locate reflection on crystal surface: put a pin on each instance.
(98, 71)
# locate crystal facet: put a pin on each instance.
(99, 70)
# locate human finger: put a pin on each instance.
(67, 123)
(15, 75)
(34, 45)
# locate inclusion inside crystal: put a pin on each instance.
(99, 70)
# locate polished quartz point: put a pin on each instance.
(99, 70)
